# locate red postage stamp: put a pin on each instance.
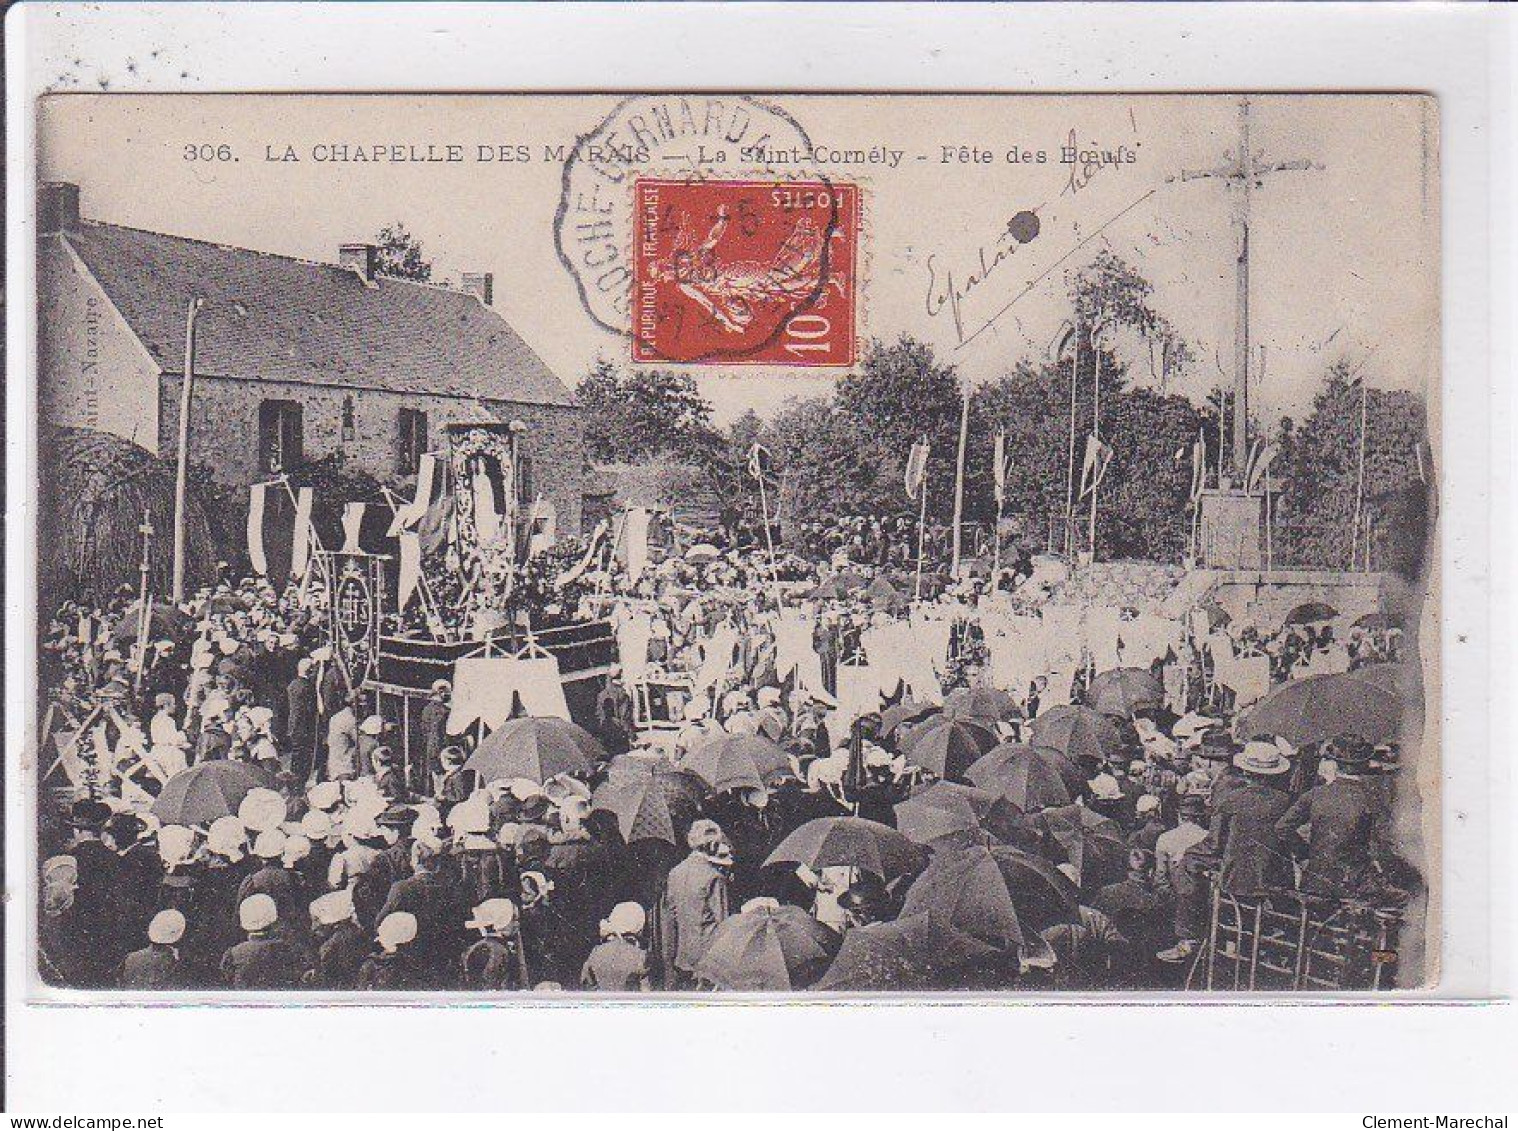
(745, 272)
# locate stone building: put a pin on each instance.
(294, 360)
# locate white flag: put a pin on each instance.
(353, 519)
(1094, 466)
(256, 555)
(410, 568)
(917, 468)
(999, 466)
(1198, 465)
(409, 514)
(300, 549)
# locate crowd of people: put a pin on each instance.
(330, 851)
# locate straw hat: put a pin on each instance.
(1262, 758)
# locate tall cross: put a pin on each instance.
(1245, 172)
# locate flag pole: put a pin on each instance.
(1000, 476)
(1096, 430)
(769, 537)
(182, 460)
(1354, 537)
(1075, 357)
(922, 520)
(959, 480)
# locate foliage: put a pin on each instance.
(1319, 470)
(400, 254)
(649, 412)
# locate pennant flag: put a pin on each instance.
(272, 525)
(999, 466)
(353, 522)
(1094, 465)
(917, 468)
(1063, 342)
(759, 461)
(1198, 465)
(573, 574)
(410, 569)
(428, 485)
(1259, 464)
(300, 550)
(256, 556)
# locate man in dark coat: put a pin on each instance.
(95, 899)
(433, 730)
(301, 722)
(439, 912)
(341, 945)
(1251, 857)
(1347, 818)
(695, 902)
(615, 725)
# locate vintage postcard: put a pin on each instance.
(735, 543)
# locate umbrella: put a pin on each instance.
(917, 953)
(200, 794)
(850, 842)
(849, 580)
(1122, 691)
(1092, 844)
(885, 595)
(910, 711)
(980, 703)
(165, 622)
(535, 748)
(702, 552)
(736, 761)
(767, 947)
(1377, 622)
(1028, 777)
(1077, 732)
(1388, 677)
(1317, 708)
(947, 746)
(829, 590)
(657, 805)
(989, 891)
(947, 812)
(1314, 612)
(640, 762)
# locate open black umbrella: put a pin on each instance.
(1318, 708)
(987, 703)
(946, 813)
(948, 746)
(992, 891)
(767, 948)
(1077, 732)
(736, 761)
(1313, 612)
(535, 748)
(1122, 691)
(657, 805)
(850, 842)
(910, 711)
(918, 952)
(1028, 777)
(200, 794)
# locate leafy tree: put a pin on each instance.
(1319, 469)
(631, 416)
(400, 254)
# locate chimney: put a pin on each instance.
(57, 207)
(360, 258)
(480, 284)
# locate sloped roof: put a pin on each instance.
(275, 318)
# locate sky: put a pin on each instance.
(1344, 255)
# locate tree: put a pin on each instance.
(400, 254)
(633, 416)
(1319, 470)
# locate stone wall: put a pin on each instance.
(224, 432)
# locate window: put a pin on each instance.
(281, 439)
(411, 440)
(350, 426)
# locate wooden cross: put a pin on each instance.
(1244, 171)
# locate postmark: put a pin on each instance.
(737, 147)
(748, 272)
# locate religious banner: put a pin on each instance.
(355, 588)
